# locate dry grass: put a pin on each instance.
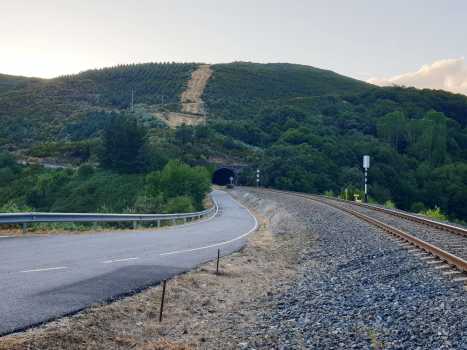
(10, 232)
(202, 310)
(177, 119)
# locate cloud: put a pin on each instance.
(449, 75)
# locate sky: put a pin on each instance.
(411, 43)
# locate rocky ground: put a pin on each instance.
(311, 277)
(362, 290)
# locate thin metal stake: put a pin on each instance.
(218, 255)
(162, 301)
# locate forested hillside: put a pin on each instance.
(305, 128)
(12, 82)
(41, 111)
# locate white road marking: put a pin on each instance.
(218, 244)
(111, 261)
(52, 268)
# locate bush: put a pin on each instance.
(182, 204)
(389, 204)
(434, 213)
(229, 186)
(86, 170)
(148, 205)
(11, 207)
(176, 180)
(417, 207)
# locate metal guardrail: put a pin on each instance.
(33, 218)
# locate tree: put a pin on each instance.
(184, 133)
(391, 128)
(123, 142)
(177, 179)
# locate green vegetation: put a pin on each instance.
(434, 213)
(13, 83)
(179, 183)
(86, 190)
(306, 129)
(123, 142)
(45, 110)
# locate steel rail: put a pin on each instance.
(437, 252)
(425, 221)
(28, 218)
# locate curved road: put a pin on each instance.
(46, 277)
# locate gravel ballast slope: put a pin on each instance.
(362, 290)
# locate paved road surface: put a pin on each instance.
(76, 271)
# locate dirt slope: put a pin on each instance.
(191, 100)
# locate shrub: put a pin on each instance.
(148, 205)
(176, 180)
(86, 170)
(11, 207)
(389, 204)
(229, 186)
(182, 204)
(417, 207)
(434, 213)
(329, 193)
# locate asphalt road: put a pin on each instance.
(42, 278)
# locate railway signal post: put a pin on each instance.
(366, 165)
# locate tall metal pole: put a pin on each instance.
(366, 165)
(366, 194)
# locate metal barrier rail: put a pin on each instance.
(32, 218)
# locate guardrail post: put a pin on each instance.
(135, 225)
(174, 223)
(184, 220)
(158, 223)
(95, 226)
(25, 228)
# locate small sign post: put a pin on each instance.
(346, 194)
(231, 179)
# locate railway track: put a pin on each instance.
(442, 245)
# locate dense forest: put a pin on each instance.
(306, 129)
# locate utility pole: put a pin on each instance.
(131, 99)
(366, 165)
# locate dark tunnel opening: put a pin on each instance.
(222, 177)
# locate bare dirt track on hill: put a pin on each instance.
(191, 100)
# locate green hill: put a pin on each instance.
(239, 90)
(305, 128)
(13, 83)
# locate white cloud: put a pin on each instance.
(449, 75)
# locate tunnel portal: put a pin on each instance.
(222, 176)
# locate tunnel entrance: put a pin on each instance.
(222, 176)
